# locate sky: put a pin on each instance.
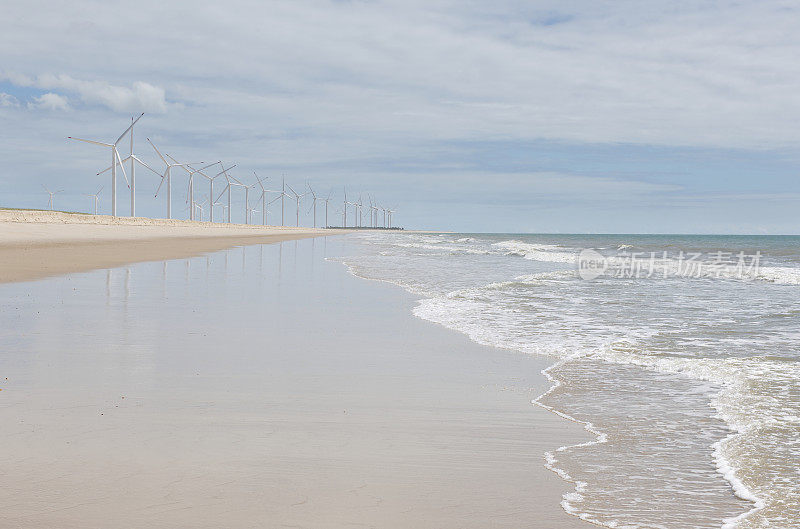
(503, 116)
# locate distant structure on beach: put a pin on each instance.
(378, 217)
(51, 195)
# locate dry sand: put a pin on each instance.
(37, 244)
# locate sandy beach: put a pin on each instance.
(36, 244)
(190, 393)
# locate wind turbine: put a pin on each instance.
(211, 179)
(247, 209)
(263, 197)
(231, 182)
(355, 212)
(96, 197)
(220, 204)
(167, 177)
(283, 195)
(390, 211)
(328, 199)
(313, 203)
(372, 218)
(297, 198)
(52, 194)
(199, 205)
(344, 210)
(190, 190)
(114, 159)
(251, 210)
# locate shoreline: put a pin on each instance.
(39, 244)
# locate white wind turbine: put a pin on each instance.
(251, 210)
(263, 197)
(114, 159)
(247, 209)
(191, 172)
(373, 213)
(327, 199)
(96, 197)
(283, 195)
(297, 198)
(231, 183)
(313, 203)
(52, 194)
(211, 190)
(355, 212)
(199, 205)
(390, 212)
(167, 176)
(344, 210)
(223, 206)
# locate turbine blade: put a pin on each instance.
(163, 178)
(123, 161)
(116, 153)
(223, 192)
(157, 152)
(144, 164)
(128, 129)
(90, 141)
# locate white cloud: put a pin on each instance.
(50, 101)
(7, 100)
(139, 97)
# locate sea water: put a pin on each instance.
(681, 357)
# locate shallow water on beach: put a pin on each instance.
(261, 386)
(688, 374)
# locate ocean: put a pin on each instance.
(679, 353)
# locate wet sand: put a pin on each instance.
(262, 387)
